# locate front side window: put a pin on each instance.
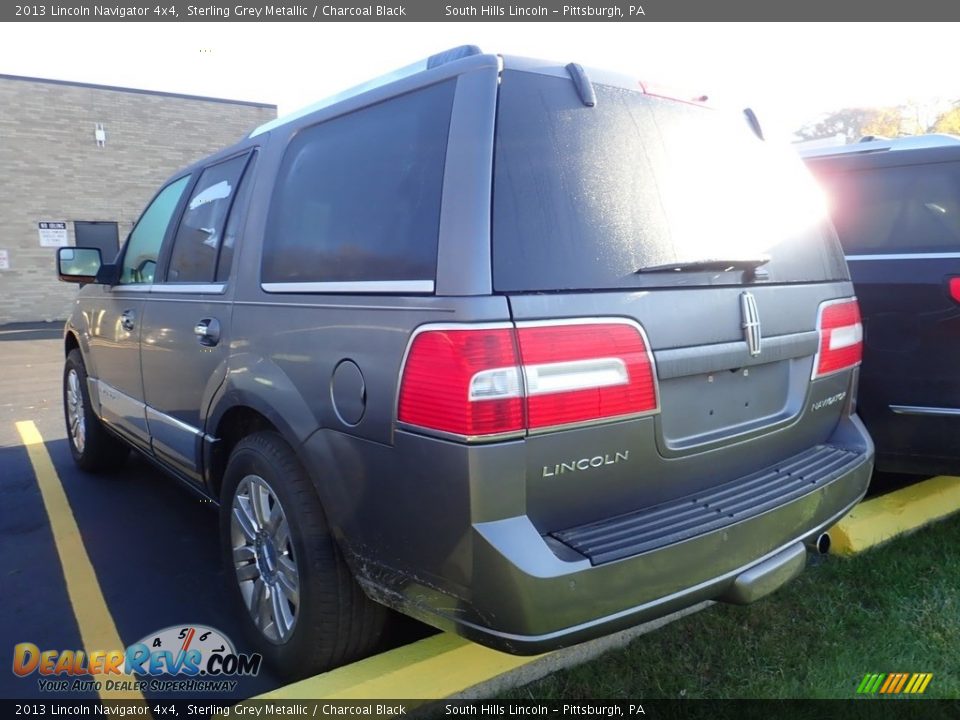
(358, 196)
(143, 247)
(198, 239)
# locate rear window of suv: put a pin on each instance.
(586, 196)
(897, 209)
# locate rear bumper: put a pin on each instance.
(531, 594)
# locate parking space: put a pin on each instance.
(152, 545)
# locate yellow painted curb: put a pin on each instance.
(436, 667)
(883, 518)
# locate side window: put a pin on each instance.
(358, 197)
(140, 255)
(233, 222)
(906, 209)
(198, 239)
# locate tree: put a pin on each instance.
(854, 123)
(885, 122)
(848, 122)
(948, 122)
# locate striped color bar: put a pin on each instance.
(894, 683)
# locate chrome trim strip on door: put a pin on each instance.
(119, 409)
(928, 411)
(174, 439)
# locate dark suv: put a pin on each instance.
(530, 352)
(896, 207)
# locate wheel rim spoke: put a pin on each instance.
(248, 572)
(281, 536)
(260, 503)
(274, 519)
(258, 605)
(244, 522)
(282, 616)
(289, 581)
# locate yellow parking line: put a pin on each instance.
(879, 519)
(97, 628)
(436, 667)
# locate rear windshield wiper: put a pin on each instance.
(747, 264)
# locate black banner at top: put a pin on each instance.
(482, 11)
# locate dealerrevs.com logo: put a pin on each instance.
(189, 658)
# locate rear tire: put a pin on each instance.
(299, 601)
(93, 448)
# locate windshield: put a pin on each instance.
(584, 197)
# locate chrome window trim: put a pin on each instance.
(355, 287)
(170, 288)
(132, 287)
(906, 256)
(196, 288)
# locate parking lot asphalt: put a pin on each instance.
(152, 544)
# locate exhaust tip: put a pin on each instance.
(820, 544)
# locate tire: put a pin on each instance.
(298, 574)
(93, 448)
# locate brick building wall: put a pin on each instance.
(52, 169)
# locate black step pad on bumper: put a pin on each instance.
(735, 501)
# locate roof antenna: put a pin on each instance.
(584, 87)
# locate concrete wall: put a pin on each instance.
(51, 169)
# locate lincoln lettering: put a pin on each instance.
(585, 463)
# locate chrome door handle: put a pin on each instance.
(207, 331)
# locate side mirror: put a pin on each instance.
(78, 265)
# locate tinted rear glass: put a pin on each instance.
(585, 196)
(913, 208)
(358, 197)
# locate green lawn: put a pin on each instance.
(895, 608)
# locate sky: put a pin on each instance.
(788, 72)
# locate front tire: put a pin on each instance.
(299, 602)
(93, 448)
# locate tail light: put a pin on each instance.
(953, 285)
(463, 381)
(492, 382)
(841, 337)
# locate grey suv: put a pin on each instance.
(529, 352)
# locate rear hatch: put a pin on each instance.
(678, 223)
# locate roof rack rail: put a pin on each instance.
(433, 61)
(873, 144)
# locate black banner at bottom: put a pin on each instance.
(866, 708)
